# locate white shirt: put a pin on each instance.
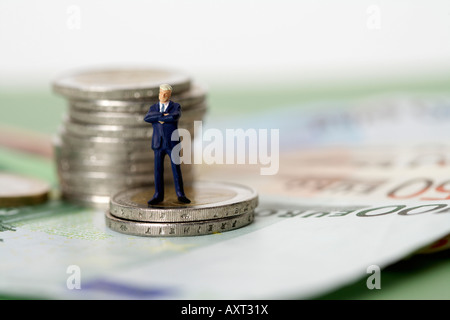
(163, 106)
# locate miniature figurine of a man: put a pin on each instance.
(164, 116)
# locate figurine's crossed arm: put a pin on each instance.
(156, 116)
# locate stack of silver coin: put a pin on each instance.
(216, 207)
(103, 144)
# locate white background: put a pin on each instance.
(227, 42)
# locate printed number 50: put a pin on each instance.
(417, 187)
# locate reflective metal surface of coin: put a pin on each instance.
(209, 200)
(119, 83)
(178, 229)
(188, 100)
(104, 144)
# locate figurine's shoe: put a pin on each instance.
(155, 200)
(183, 199)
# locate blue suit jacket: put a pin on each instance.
(162, 132)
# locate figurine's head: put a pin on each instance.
(165, 92)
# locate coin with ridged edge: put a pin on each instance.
(209, 200)
(177, 229)
(96, 201)
(116, 131)
(101, 144)
(126, 119)
(119, 83)
(104, 182)
(188, 100)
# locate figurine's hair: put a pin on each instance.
(165, 87)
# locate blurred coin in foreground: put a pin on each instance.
(17, 190)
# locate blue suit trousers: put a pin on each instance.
(160, 154)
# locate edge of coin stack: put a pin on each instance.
(216, 207)
(103, 145)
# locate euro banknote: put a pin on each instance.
(349, 195)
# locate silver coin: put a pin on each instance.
(114, 131)
(112, 166)
(74, 160)
(104, 159)
(93, 178)
(188, 100)
(94, 157)
(108, 157)
(119, 83)
(103, 144)
(135, 168)
(108, 131)
(145, 168)
(106, 188)
(177, 229)
(89, 190)
(209, 200)
(141, 165)
(86, 200)
(105, 118)
(91, 156)
(67, 160)
(104, 178)
(129, 176)
(117, 178)
(126, 119)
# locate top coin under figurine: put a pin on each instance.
(210, 200)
